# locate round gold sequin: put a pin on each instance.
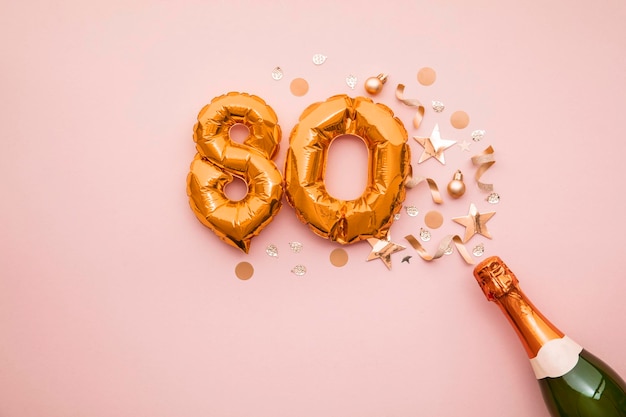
(433, 219)
(244, 270)
(299, 87)
(459, 119)
(426, 76)
(339, 257)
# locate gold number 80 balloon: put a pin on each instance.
(370, 215)
(219, 159)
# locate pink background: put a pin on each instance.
(116, 301)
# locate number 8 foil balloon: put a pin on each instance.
(219, 160)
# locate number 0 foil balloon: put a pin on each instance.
(219, 159)
(370, 215)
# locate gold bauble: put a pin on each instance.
(374, 85)
(456, 187)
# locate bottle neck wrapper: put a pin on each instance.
(556, 358)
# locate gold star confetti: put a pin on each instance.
(383, 249)
(475, 222)
(434, 146)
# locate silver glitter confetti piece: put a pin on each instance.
(299, 270)
(412, 211)
(396, 216)
(295, 246)
(424, 235)
(477, 135)
(277, 73)
(478, 250)
(351, 80)
(319, 59)
(493, 198)
(272, 251)
(438, 106)
(449, 250)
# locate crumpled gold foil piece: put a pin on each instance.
(370, 215)
(219, 159)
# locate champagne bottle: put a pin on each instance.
(574, 383)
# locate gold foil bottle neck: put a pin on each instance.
(495, 278)
(501, 286)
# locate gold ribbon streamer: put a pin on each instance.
(412, 182)
(484, 160)
(411, 102)
(443, 246)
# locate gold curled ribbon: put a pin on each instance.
(412, 182)
(411, 102)
(484, 160)
(441, 249)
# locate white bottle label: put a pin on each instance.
(556, 358)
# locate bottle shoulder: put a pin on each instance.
(590, 389)
(588, 359)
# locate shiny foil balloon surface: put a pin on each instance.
(370, 215)
(219, 159)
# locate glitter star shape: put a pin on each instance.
(475, 223)
(464, 145)
(433, 146)
(383, 249)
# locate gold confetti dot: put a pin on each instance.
(433, 219)
(244, 270)
(339, 257)
(299, 87)
(459, 119)
(426, 76)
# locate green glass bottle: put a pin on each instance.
(574, 383)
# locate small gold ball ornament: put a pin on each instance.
(374, 85)
(456, 187)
